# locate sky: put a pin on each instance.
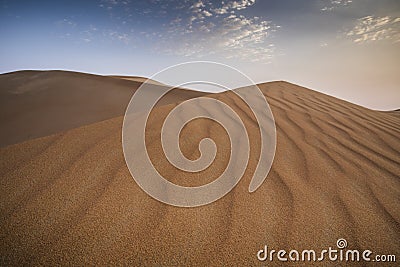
(346, 48)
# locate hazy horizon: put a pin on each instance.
(347, 49)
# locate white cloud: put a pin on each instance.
(334, 4)
(231, 6)
(199, 4)
(372, 28)
(220, 11)
(203, 28)
(218, 30)
(240, 4)
(207, 13)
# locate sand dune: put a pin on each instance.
(137, 79)
(69, 199)
(39, 103)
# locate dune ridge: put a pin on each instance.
(39, 103)
(69, 199)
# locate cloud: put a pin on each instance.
(220, 11)
(218, 30)
(335, 4)
(67, 22)
(207, 13)
(116, 2)
(199, 4)
(239, 5)
(230, 6)
(198, 29)
(373, 28)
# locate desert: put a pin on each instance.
(67, 197)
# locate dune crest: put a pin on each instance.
(39, 103)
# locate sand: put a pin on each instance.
(137, 79)
(39, 103)
(69, 199)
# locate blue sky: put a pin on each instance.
(349, 49)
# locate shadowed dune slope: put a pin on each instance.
(39, 103)
(69, 198)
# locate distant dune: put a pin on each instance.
(39, 103)
(137, 79)
(68, 198)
